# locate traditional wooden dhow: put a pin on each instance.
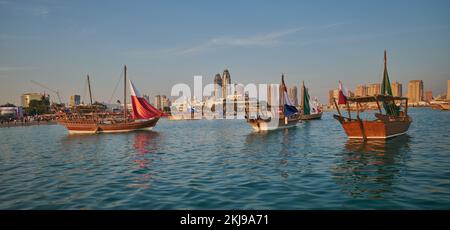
(143, 117)
(383, 126)
(310, 110)
(393, 122)
(288, 115)
(445, 106)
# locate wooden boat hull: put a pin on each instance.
(435, 106)
(311, 116)
(378, 129)
(75, 127)
(445, 106)
(264, 125)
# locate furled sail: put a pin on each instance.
(306, 103)
(390, 107)
(309, 106)
(289, 107)
(141, 108)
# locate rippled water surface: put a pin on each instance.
(222, 164)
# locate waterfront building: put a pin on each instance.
(157, 102)
(373, 89)
(361, 91)
(217, 86)
(415, 91)
(165, 102)
(74, 100)
(161, 102)
(293, 95)
(333, 95)
(428, 96)
(269, 94)
(273, 91)
(397, 89)
(239, 89)
(351, 93)
(226, 83)
(27, 97)
(10, 110)
(448, 89)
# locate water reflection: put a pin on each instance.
(138, 151)
(146, 145)
(278, 141)
(73, 139)
(370, 169)
(146, 142)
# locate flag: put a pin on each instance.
(342, 94)
(289, 107)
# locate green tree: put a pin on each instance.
(37, 107)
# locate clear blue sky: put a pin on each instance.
(166, 42)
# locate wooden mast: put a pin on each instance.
(89, 86)
(90, 97)
(125, 93)
(281, 93)
(303, 98)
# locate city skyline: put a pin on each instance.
(58, 43)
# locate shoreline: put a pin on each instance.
(25, 124)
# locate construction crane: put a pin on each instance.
(45, 87)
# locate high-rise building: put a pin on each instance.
(293, 95)
(351, 94)
(273, 92)
(157, 102)
(333, 95)
(269, 94)
(239, 88)
(415, 91)
(226, 82)
(27, 97)
(161, 102)
(428, 96)
(74, 100)
(448, 89)
(373, 89)
(397, 89)
(361, 91)
(217, 86)
(165, 102)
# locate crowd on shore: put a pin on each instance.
(27, 121)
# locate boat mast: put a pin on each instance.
(125, 92)
(282, 88)
(89, 86)
(303, 96)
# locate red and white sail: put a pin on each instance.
(343, 94)
(141, 108)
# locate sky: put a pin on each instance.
(57, 43)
